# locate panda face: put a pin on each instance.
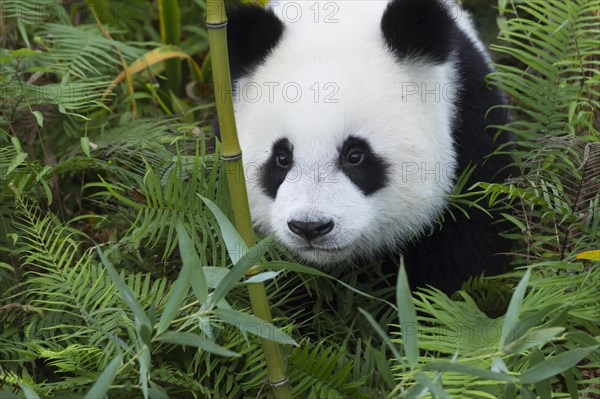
(321, 203)
(344, 154)
(337, 180)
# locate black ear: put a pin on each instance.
(252, 32)
(419, 29)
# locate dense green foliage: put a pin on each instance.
(116, 275)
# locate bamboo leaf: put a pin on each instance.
(145, 366)
(280, 265)
(498, 366)
(469, 370)
(262, 277)
(383, 368)
(157, 392)
(526, 393)
(294, 267)
(533, 339)
(571, 383)
(143, 326)
(512, 314)
(180, 288)
(102, 384)
(199, 282)
(408, 318)
(510, 391)
(383, 336)
(236, 246)
(543, 388)
(28, 391)
(238, 271)
(434, 387)
(191, 262)
(214, 275)
(417, 391)
(555, 365)
(189, 339)
(248, 323)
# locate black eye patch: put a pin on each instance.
(274, 171)
(364, 168)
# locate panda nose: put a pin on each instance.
(311, 230)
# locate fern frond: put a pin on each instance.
(170, 196)
(33, 12)
(83, 51)
(559, 44)
(319, 371)
(556, 101)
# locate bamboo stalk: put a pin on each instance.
(170, 34)
(232, 156)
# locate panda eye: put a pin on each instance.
(282, 159)
(355, 157)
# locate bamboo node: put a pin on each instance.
(219, 25)
(231, 158)
(279, 383)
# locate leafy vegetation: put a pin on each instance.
(118, 279)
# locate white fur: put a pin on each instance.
(407, 132)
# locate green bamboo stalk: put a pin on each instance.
(170, 34)
(232, 156)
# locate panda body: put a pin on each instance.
(355, 119)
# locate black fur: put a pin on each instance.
(252, 32)
(419, 29)
(468, 247)
(371, 174)
(271, 174)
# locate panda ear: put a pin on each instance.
(252, 32)
(419, 29)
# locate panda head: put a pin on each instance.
(344, 112)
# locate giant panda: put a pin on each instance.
(356, 119)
